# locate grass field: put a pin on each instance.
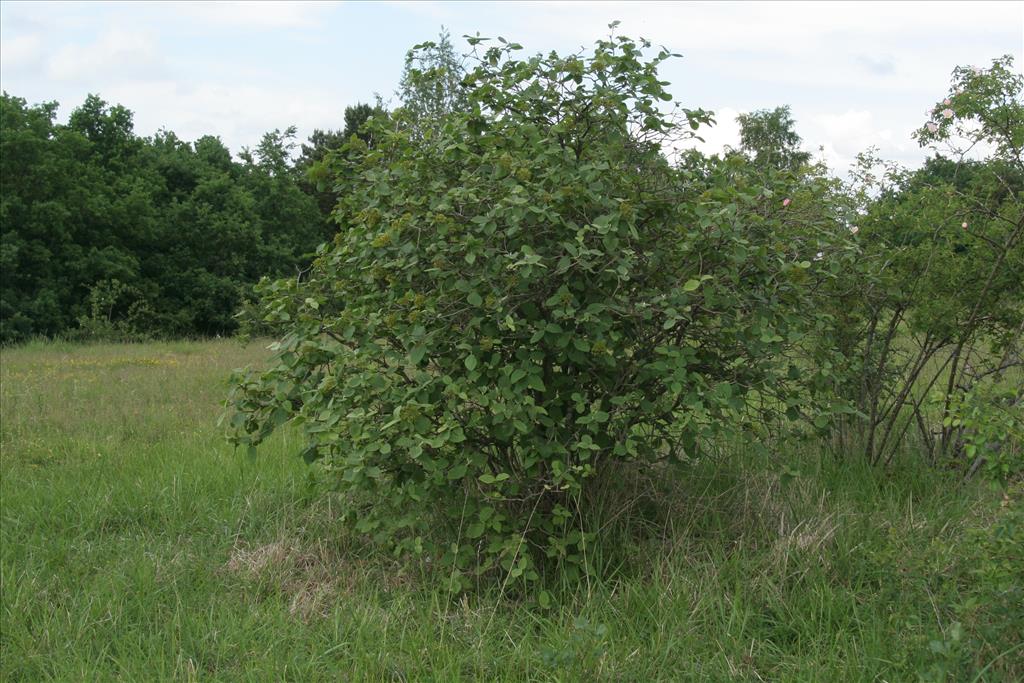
(138, 546)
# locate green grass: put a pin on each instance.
(136, 545)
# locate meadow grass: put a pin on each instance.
(135, 544)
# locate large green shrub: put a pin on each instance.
(526, 293)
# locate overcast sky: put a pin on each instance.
(855, 74)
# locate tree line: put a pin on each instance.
(109, 233)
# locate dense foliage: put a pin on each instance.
(524, 292)
(108, 233)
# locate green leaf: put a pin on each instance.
(470, 363)
(416, 354)
(457, 472)
(474, 299)
(691, 285)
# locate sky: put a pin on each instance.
(854, 74)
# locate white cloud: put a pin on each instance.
(266, 15)
(786, 27)
(237, 113)
(117, 54)
(842, 136)
(21, 51)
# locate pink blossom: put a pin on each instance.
(947, 101)
(786, 201)
(932, 126)
(947, 113)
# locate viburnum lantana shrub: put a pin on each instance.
(521, 296)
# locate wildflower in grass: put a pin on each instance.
(854, 230)
(964, 225)
(786, 201)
